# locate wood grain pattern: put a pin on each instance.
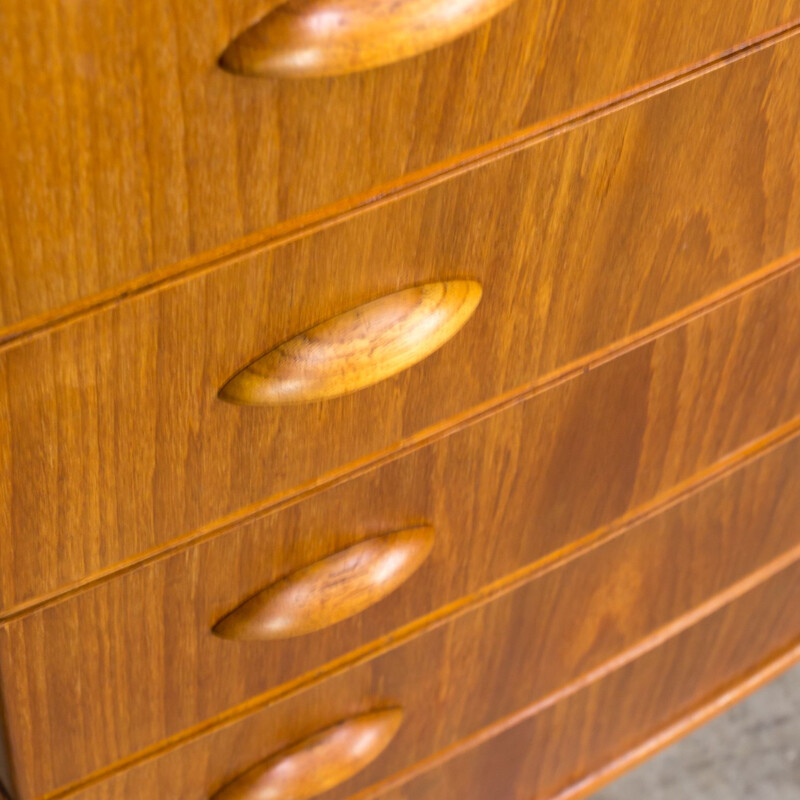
(331, 590)
(566, 750)
(314, 38)
(519, 487)
(319, 762)
(357, 348)
(601, 232)
(126, 149)
(5, 766)
(454, 680)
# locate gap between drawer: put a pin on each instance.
(327, 216)
(423, 438)
(487, 594)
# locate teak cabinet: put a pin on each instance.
(399, 399)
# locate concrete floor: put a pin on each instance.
(752, 752)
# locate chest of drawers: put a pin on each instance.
(384, 386)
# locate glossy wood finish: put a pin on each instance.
(357, 348)
(319, 762)
(512, 490)
(567, 749)
(126, 149)
(601, 232)
(334, 589)
(454, 680)
(314, 38)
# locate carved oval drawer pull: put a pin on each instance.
(357, 348)
(318, 763)
(331, 590)
(312, 38)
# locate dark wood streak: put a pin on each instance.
(584, 620)
(559, 286)
(666, 694)
(520, 489)
(200, 158)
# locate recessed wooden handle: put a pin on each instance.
(312, 38)
(318, 763)
(331, 590)
(357, 348)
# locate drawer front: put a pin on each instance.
(578, 242)
(127, 148)
(572, 745)
(496, 496)
(496, 659)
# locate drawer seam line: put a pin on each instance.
(427, 436)
(704, 712)
(505, 585)
(19, 333)
(715, 704)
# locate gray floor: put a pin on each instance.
(752, 752)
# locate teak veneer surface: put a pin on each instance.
(499, 495)
(494, 660)
(126, 148)
(5, 766)
(578, 242)
(568, 749)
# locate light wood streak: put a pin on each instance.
(503, 402)
(143, 378)
(651, 409)
(718, 704)
(453, 667)
(666, 693)
(79, 164)
(486, 594)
